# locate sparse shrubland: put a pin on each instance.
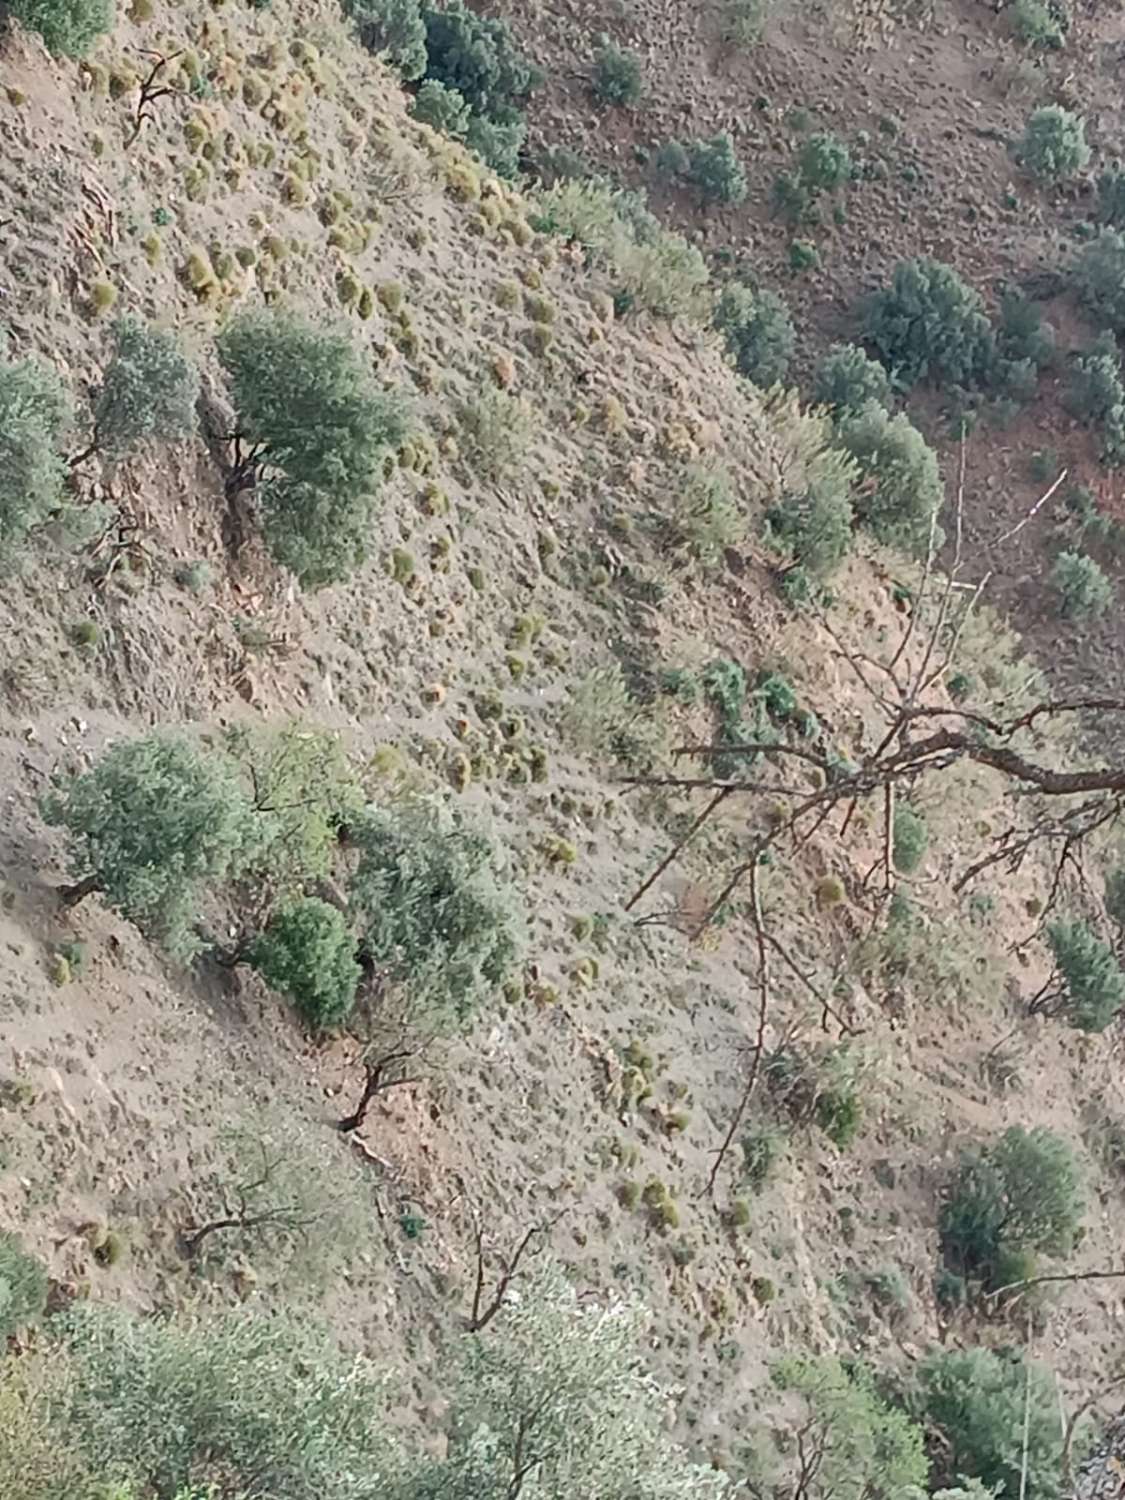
(149, 390)
(900, 487)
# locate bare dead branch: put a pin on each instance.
(482, 1315)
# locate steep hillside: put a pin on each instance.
(567, 579)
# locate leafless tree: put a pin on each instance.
(485, 1308)
(266, 1203)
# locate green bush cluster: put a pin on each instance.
(473, 58)
(318, 428)
(712, 166)
(1099, 279)
(149, 390)
(847, 378)
(23, 1288)
(982, 1403)
(1096, 395)
(929, 324)
(307, 952)
(1091, 983)
(442, 108)
(69, 28)
(1041, 23)
(758, 331)
(618, 78)
(824, 162)
(1054, 144)
(900, 483)
(1081, 585)
(910, 838)
(1020, 1195)
(34, 414)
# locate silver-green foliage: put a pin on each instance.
(555, 1392)
(758, 332)
(309, 406)
(982, 1404)
(930, 324)
(433, 911)
(1081, 585)
(34, 414)
(847, 378)
(903, 486)
(1054, 143)
(23, 1287)
(442, 108)
(252, 1400)
(68, 27)
(149, 390)
(869, 1449)
(394, 28)
(151, 825)
(1099, 277)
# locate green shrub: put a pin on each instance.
(1097, 396)
(762, 1149)
(758, 332)
(976, 1399)
(744, 21)
(714, 168)
(268, 1404)
(654, 269)
(847, 378)
(319, 429)
(442, 109)
(1022, 1193)
(308, 953)
(868, 1449)
(617, 76)
(497, 142)
(149, 390)
(150, 826)
(1081, 586)
(929, 324)
(900, 486)
(1041, 23)
(433, 912)
(477, 56)
(69, 28)
(1022, 334)
(824, 162)
(34, 414)
(1054, 144)
(395, 28)
(705, 516)
(23, 1287)
(1099, 278)
(1111, 195)
(910, 837)
(671, 160)
(1091, 979)
(1115, 895)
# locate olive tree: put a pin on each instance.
(855, 1445)
(23, 1287)
(34, 414)
(434, 914)
(1099, 277)
(553, 1400)
(312, 432)
(150, 825)
(149, 390)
